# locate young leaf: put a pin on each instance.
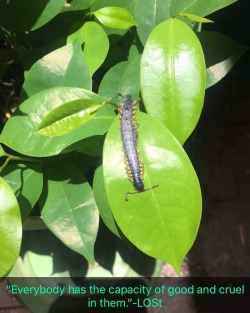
(195, 18)
(115, 17)
(58, 68)
(67, 117)
(69, 209)
(10, 228)
(162, 222)
(173, 76)
(20, 132)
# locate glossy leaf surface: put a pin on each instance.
(20, 132)
(173, 76)
(68, 117)
(69, 209)
(115, 17)
(162, 222)
(10, 228)
(58, 68)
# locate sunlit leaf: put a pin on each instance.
(10, 228)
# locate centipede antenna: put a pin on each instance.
(133, 192)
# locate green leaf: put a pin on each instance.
(20, 132)
(221, 54)
(29, 15)
(130, 80)
(10, 228)
(162, 222)
(65, 66)
(124, 78)
(102, 201)
(173, 76)
(128, 5)
(69, 209)
(195, 18)
(26, 183)
(198, 7)
(110, 83)
(115, 17)
(96, 44)
(150, 15)
(69, 116)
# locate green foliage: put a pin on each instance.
(11, 228)
(66, 166)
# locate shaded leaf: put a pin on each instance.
(221, 54)
(102, 201)
(29, 15)
(26, 183)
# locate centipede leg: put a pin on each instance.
(133, 192)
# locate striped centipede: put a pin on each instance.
(129, 135)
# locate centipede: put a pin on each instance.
(129, 135)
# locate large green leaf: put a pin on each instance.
(26, 183)
(29, 15)
(162, 222)
(221, 54)
(65, 66)
(20, 132)
(173, 76)
(198, 7)
(10, 228)
(69, 209)
(96, 44)
(150, 15)
(115, 17)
